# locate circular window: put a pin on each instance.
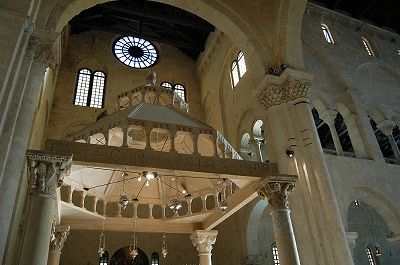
(135, 52)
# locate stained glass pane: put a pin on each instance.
(135, 52)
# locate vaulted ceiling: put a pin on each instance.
(150, 20)
(383, 13)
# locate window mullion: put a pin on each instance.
(89, 97)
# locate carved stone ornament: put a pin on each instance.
(287, 87)
(277, 194)
(59, 236)
(41, 47)
(203, 240)
(47, 170)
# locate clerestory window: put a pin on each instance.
(180, 90)
(275, 254)
(155, 259)
(166, 84)
(368, 47)
(238, 69)
(90, 88)
(371, 260)
(327, 33)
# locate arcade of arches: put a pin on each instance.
(197, 132)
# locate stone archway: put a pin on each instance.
(248, 35)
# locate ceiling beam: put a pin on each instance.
(126, 11)
(179, 44)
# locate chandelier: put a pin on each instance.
(164, 250)
(174, 205)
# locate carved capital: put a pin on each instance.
(203, 240)
(290, 85)
(47, 170)
(41, 48)
(277, 194)
(59, 236)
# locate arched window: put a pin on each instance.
(371, 260)
(90, 88)
(104, 259)
(368, 47)
(327, 33)
(275, 254)
(155, 259)
(181, 91)
(238, 68)
(97, 92)
(166, 84)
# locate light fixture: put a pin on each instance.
(222, 202)
(290, 153)
(174, 205)
(149, 175)
(123, 201)
(140, 177)
(147, 183)
(184, 192)
(102, 243)
(133, 250)
(124, 174)
(356, 203)
(164, 250)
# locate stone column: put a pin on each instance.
(277, 195)
(355, 136)
(203, 240)
(316, 211)
(35, 54)
(46, 173)
(328, 116)
(387, 128)
(60, 234)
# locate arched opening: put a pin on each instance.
(324, 133)
(122, 256)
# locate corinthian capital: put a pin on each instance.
(290, 85)
(277, 194)
(203, 240)
(47, 170)
(59, 236)
(41, 47)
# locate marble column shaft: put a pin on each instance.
(277, 195)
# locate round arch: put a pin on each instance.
(377, 200)
(253, 224)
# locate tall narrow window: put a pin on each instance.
(90, 88)
(371, 260)
(181, 91)
(82, 87)
(238, 68)
(275, 254)
(155, 259)
(242, 64)
(327, 33)
(97, 95)
(104, 259)
(235, 73)
(368, 47)
(166, 84)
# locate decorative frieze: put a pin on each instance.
(290, 85)
(47, 170)
(203, 240)
(59, 236)
(277, 194)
